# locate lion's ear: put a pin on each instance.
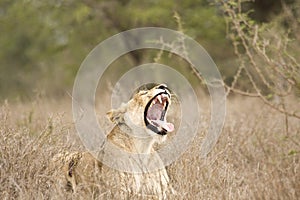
(113, 115)
(117, 116)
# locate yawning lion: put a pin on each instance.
(139, 124)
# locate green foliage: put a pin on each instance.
(44, 42)
(292, 152)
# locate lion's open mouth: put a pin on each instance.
(155, 114)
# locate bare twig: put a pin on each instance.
(263, 53)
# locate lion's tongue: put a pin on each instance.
(155, 113)
(167, 126)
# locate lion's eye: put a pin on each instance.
(143, 93)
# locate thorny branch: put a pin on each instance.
(263, 54)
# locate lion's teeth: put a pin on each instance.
(165, 95)
(153, 102)
(159, 99)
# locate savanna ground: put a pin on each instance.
(255, 158)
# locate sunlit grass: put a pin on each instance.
(253, 159)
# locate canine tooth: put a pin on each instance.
(153, 102)
(165, 95)
(159, 99)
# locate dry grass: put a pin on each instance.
(253, 159)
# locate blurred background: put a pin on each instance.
(44, 42)
(255, 44)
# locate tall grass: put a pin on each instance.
(253, 159)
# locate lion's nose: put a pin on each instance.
(162, 86)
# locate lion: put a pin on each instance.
(139, 125)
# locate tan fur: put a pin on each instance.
(84, 172)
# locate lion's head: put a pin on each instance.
(147, 110)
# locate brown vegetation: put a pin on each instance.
(258, 153)
(253, 159)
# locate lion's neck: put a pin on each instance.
(122, 136)
(143, 145)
